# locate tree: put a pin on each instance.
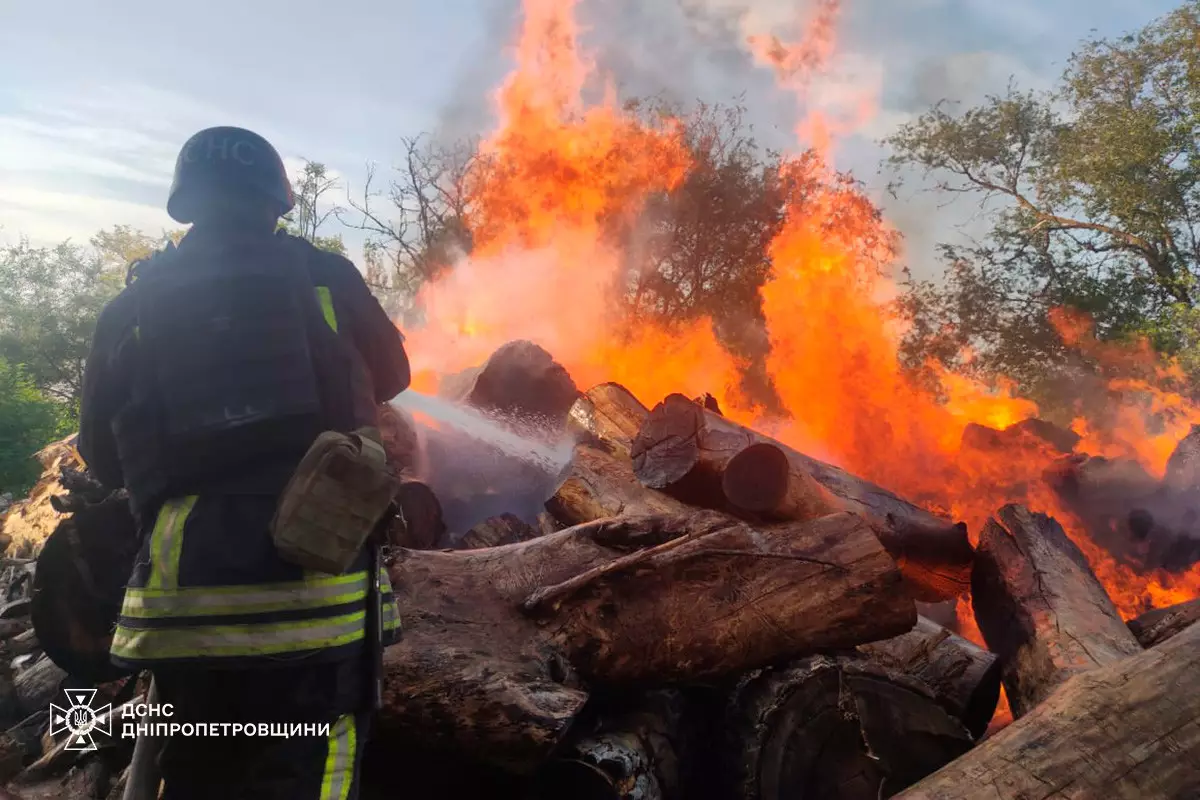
(420, 228)
(51, 297)
(312, 210)
(28, 421)
(1098, 188)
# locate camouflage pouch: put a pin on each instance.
(335, 499)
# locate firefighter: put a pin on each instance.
(209, 377)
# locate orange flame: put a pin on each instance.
(557, 171)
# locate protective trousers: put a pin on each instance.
(318, 764)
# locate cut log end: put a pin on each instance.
(834, 729)
(667, 450)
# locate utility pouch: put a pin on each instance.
(334, 500)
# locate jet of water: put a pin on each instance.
(552, 458)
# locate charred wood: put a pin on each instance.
(1040, 607)
(519, 380)
(599, 485)
(423, 525)
(493, 532)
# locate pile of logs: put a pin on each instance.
(701, 611)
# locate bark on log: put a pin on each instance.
(685, 450)
(424, 526)
(834, 729)
(626, 754)
(1126, 731)
(519, 380)
(1040, 608)
(963, 677)
(494, 638)
(38, 686)
(608, 414)
(1157, 626)
(599, 485)
(493, 532)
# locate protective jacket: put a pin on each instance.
(209, 377)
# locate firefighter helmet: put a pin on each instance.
(227, 158)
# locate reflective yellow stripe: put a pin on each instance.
(339, 761)
(259, 639)
(201, 601)
(391, 616)
(166, 542)
(327, 306)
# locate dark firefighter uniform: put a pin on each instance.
(209, 377)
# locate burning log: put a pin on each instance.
(1029, 435)
(832, 728)
(1183, 467)
(610, 415)
(520, 380)
(1131, 514)
(684, 450)
(495, 638)
(1157, 626)
(1040, 608)
(963, 677)
(599, 485)
(1125, 730)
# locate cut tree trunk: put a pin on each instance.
(1040, 608)
(1157, 626)
(495, 638)
(834, 729)
(632, 752)
(599, 485)
(1126, 731)
(963, 676)
(762, 480)
(684, 450)
(610, 415)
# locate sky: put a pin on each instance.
(96, 99)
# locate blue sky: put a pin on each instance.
(96, 99)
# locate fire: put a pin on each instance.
(557, 173)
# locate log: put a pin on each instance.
(520, 380)
(834, 729)
(761, 479)
(632, 751)
(398, 433)
(497, 640)
(597, 485)
(493, 532)
(1040, 608)
(1183, 467)
(1144, 523)
(38, 686)
(684, 450)
(1129, 730)
(963, 676)
(610, 415)
(1157, 626)
(423, 524)
(1033, 436)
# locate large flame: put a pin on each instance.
(558, 170)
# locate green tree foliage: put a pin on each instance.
(28, 421)
(51, 297)
(312, 209)
(1095, 191)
